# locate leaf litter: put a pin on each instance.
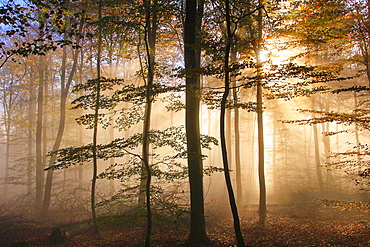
(311, 224)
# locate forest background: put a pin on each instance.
(110, 106)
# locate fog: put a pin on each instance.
(290, 164)
(99, 110)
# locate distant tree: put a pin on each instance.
(333, 34)
(10, 97)
(348, 161)
(65, 84)
(256, 36)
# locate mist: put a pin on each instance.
(122, 123)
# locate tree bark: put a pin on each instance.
(30, 136)
(261, 146)
(317, 152)
(39, 126)
(193, 17)
(62, 119)
(238, 173)
(96, 118)
(9, 99)
(150, 36)
(234, 209)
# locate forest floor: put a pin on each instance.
(310, 224)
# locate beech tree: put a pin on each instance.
(150, 31)
(192, 29)
(359, 170)
(231, 28)
(65, 84)
(336, 37)
(10, 97)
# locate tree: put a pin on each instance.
(10, 97)
(238, 173)
(65, 87)
(334, 35)
(39, 125)
(96, 108)
(257, 46)
(317, 151)
(192, 28)
(229, 37)
(150, 37)
(348, 160)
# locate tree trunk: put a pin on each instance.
(30, 137)
(317, 152)
(228, 130)
(8, 102)
(234, 209)
(256, 39)
(238, 173)
(62, 119)
(39, 126)
(150, 37)
(261, 146)
(80, 129)
(326, 140)
(194, 13)
(273, 162)
(7, 153)
(96, 118)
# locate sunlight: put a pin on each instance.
(277, 52)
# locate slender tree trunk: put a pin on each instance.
(194, 13)
(274, 163)
(357, 137)
(150, 37)
(30, 137)
(80, 130)
(95, 159)
(256, 38)
(228, 130)
(8, 109)
(111, 73)
(62, 119)
(307, 153)
(252, 124)
(96, 118)
(7, 153)
(326, 140)
(261, 146)
(80, 168)
(238, 173)
(145, 158)
(234, 209)
(238, 169)
(261, 152)
(39, 126)
(317, 152)
(45, 124)
(111, 162)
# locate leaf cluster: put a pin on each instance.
(173, 137)
(360, 118)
